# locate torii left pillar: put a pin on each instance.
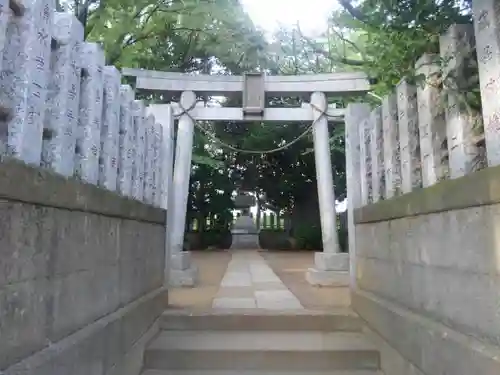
(331, 267)
(182, 271)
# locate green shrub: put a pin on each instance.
(218, 238)
(308, 237)
(274, 239)
(343, 240)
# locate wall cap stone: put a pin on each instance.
(477, 189)
(22, 183)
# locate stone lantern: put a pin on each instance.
(245, 233)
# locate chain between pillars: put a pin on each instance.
(186, 111)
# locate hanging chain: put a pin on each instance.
(206, 132)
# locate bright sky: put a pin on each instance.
(312, 15)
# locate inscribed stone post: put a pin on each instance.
(167, 158)
(24, 79)
(5, 110)
(126, 141)
(63, 96)
(149, 159)
(5, 14)
(377, 154)
(392, 164)
(138, 117)
(487, 23)
(157, 190)
(411, 175)
(354, 114)
(110, 129)
(88, 139)
(365, 161)
(464, 125)
(432, 123)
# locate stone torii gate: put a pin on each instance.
(331, 266)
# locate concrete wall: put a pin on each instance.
(81, 275)
(428, 276)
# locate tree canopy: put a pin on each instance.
(383, 38)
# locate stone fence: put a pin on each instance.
(65, 110)
(82, 198)
(424, 211)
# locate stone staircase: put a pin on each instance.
(252, 343)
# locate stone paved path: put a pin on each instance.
(289, 266)
(250, 283)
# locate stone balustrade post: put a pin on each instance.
(149, 159)
(90, 114)
(365, 161)
(165, 194)
(411, 176)
(126, 141)
(377, 154)
(464, 127)
(5, 14)
(392, 164)
(355, 114)
(110, 129)
(486, 24)
(138, 120)
(63, 96)
(167, 158)
(432, 123)
(157, 180)
(24, 80)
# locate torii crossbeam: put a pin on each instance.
(333, 83)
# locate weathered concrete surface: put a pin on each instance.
(428, 273)
(70, 255)
(423, 346)
(113, 345)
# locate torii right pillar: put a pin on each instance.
(331, 267)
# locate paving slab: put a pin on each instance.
(250, 282)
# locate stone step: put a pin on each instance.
(250, 372)
(250, 320)
(264, 350)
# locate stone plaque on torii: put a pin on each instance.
(330, 265)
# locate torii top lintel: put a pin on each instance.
(333, 83)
